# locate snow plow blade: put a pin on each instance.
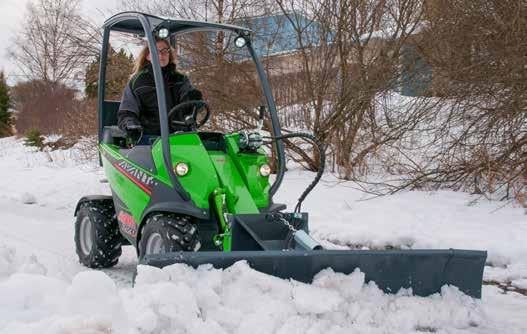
(259, 240)
(425, 271)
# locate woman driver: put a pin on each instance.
(138, 113)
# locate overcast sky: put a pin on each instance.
(13, 12)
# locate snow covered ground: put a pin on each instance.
(43, 289)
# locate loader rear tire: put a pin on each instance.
(164, 233)
(97, 236)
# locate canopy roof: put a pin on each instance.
(130, 22)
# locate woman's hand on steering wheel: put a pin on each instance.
(190, 120)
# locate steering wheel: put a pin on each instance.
(190, 120)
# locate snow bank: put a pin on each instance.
(54, 179)
(241, 300)
(179, 299)
(36, 303)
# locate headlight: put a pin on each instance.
(240, 42)
(265, 170)
(162, 33)
(181, 169)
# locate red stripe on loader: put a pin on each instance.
(137, 183)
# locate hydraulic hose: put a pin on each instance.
(322, 154)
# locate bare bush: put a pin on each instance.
(43, 106)
(478, 51)
(51, 50)
(348, 58)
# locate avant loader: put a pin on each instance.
(201, 197)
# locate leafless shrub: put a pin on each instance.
(87, 149)
(348, 58)
(478, 51)
(43, 106)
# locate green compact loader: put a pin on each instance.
(199, 197)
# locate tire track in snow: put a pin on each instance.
(48, 234)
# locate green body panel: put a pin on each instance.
(243, 190)
(201, 179)
(229, 179)
(238, 197)
(134, 198)
(248, 165)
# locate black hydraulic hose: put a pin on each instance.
(322, 154)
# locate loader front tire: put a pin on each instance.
(97, 236)
(164, 233)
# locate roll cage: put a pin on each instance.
(148, 25)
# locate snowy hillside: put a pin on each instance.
(43, 288)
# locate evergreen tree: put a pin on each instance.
(6, 118)
(118, 70)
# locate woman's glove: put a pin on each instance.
(134, 132)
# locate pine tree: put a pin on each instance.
(6, 118)
(119, 67)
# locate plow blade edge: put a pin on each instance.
(424, 271)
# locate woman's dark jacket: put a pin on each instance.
(139, 102)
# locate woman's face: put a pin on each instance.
(163, 50)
